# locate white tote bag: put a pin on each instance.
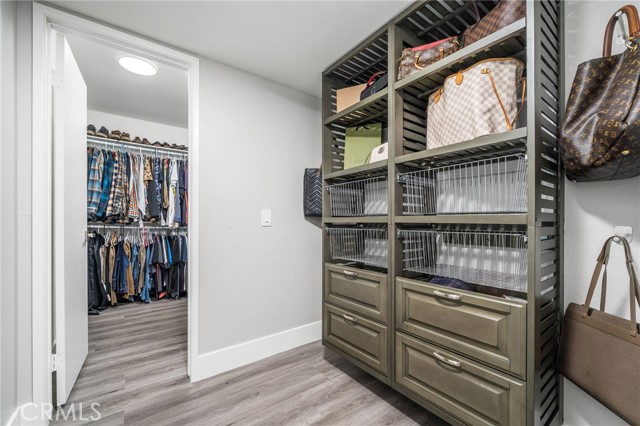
(480, 100)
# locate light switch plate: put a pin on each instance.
(624, 231)
(265, 218)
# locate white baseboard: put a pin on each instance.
(226, 359)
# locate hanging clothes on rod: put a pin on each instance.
(128, 186)
(131, 264)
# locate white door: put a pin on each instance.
(70, 292)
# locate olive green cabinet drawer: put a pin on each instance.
(361, 291)
(357, 336)
(473, 393)
(485, 328)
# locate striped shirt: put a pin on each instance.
(107, 176)
(94, 185)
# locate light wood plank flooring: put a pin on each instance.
(137, 371)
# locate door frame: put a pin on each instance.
(46, 22)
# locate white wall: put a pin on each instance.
(592, 210)
(15, 208)
(256, 137)
(135, 127)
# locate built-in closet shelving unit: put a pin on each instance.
(485, 356)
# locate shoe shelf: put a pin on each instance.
(115, 143)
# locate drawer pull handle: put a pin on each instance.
(350, 274)
(447, 360)
(447, 295)
(350, 318)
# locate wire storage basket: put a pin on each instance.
(496, 185)
(364, 197)
(490, 258)
(366, 245)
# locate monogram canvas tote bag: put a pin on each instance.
(480, 100)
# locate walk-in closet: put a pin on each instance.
(136, 216)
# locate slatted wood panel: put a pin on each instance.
(137, 372)
(549, 302)
(361, 64)
(436, 20)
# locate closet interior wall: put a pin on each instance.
(431, 342)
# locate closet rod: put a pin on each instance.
(135, 146)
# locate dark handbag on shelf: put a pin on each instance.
(505, 13)
(312, 193)
(376, 83)
(416, 58)
(600, 352)
(600, 134)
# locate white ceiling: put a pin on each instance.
(110, 88)
(289, 42)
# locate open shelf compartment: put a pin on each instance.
(360, 197)
(492, 258)
(412, 92)
(362, 244)
(494, 185)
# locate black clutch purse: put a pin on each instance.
(376, 83)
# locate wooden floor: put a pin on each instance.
(137, 371)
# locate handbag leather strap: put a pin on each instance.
(634, 27)
(509, 121)
(634, 284)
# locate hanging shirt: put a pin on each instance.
(133, 213)
(94, 184)
(173, 189)
(142, 197)
(107, 176)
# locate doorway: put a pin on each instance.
(72, 134)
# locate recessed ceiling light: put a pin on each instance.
(138, 65)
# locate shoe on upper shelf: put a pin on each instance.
(175, 146)
(157, 143)
(115, 134)
(184, 147)
(137, 139)
(145, 141)
(125, 137)
(91, 130)
(103, 132)
(166, 145)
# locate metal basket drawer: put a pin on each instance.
(356, 336)
(361, 291)
(469, 391)
(485, 328)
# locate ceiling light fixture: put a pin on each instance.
(138, 65)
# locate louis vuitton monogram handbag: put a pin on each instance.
(480, 100)
(600, 134)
